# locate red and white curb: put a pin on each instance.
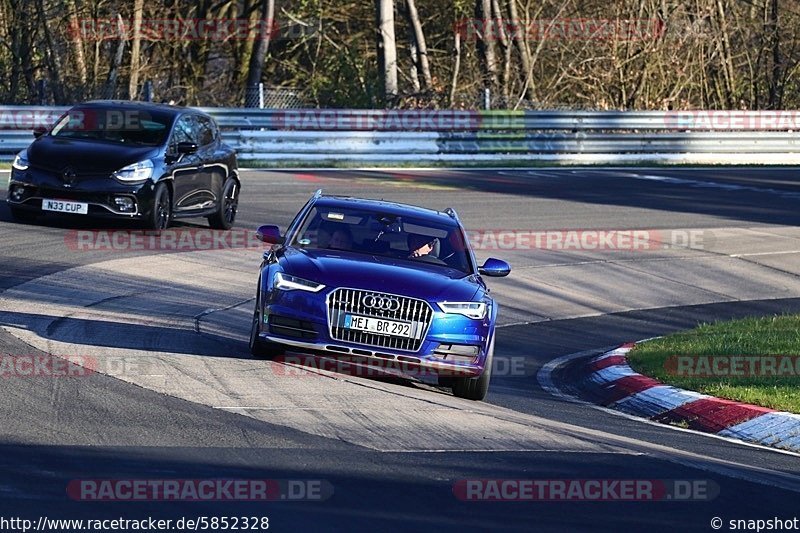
(614, 384)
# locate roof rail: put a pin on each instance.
(317, 193)
(452, 214)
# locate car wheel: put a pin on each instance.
(161, 215)
(476, 388)
(23, 215)
(226, 211)
(259, 348)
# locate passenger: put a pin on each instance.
(341, 239)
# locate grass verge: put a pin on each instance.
(753, 360)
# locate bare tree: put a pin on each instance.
(51, 54)
(133, 81)
(77, 44)
(261, 46)
(483, 14)
(387, 49)
(113, 72)
(418, 44)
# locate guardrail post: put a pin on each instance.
(487, 98)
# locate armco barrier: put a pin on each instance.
(464, 136)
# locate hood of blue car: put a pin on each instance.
(376, 273)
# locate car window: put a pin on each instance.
(387, 235)
(184, 132)
(205, 130)
(114, 124)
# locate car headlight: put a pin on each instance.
(136, 172)
(475, 310)
(286, 282)
(21, 161)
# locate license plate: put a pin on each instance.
(379, 326)
(65, 206)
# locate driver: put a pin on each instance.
(420, 245)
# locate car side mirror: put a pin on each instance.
(269, 234)
(38, 131)
(495, 268)
(186, 148)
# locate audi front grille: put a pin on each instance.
(343, 302)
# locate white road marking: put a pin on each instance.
(766, 253)
(703, 184)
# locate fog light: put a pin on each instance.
(17, 192)
(459, 353)
(125, 203)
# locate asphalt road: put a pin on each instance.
(392, 452)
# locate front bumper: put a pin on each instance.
(407, 364)
(300, 320)
(27, 189)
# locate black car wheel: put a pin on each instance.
(161, 215)
(475, 388)
(259, 348)
(226, 211)
(23, 215)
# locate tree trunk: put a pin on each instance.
(727, 62)
(519, 41)
(113, 72)
(51, 56)
(387, 50)
(422, 63)
(77, 46)
(456, 67)
(775, 74)
(133, 82)
(483, 12)
(256, 66)
(497, 16)
(414, 53)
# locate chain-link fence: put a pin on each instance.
(273, 98)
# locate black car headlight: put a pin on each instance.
(21, 161)
(285, 282)
(140, 171)
(474, 310)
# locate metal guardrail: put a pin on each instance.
(757, 137)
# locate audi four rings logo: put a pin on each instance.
(382, 303)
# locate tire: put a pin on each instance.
(475, 388)
(23, 215)
(161, 214)
(259, 348)
(225, 216)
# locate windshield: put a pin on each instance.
(385, 235)
(117, 125)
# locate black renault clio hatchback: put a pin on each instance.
(131, 160)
